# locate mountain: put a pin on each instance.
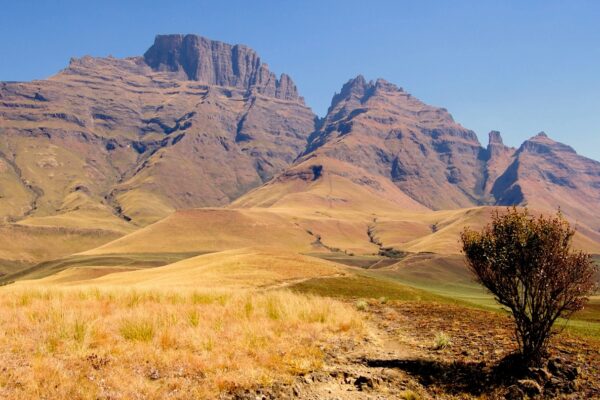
(109, 146)
(386, 131)
(547, 175)
(195, 122)
(375, 134)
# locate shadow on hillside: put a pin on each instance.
(452, 377)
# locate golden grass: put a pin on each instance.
(112, 343)
(209, 229)
(241, 268)
(33, 244)
(293, 227)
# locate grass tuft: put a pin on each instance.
(79, 331)
(362, 305)
(441, 341)
(194, 318)
(409, 395)
(141, 330)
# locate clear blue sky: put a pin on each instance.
(519, 67)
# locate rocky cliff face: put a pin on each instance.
(137, 138)
(388, 132)
(216, 63)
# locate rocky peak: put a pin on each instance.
(495, 138)
(542, 144)
(355, 93)
(360, 90)
(382, 85)
(353, 89)
(209, 61)
(496, 145)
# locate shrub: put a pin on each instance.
(409, 395)
(441, 341)
(362, 305)
(528, 264)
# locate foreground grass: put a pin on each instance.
(100, 344)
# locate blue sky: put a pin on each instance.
(519, 67)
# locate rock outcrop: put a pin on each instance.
(216, 63)
(498, 157)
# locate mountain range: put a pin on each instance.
(107, 147)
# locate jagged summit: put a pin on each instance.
(359, 90)
(378, 126)
(495, 138)
(213, 62)
(543, 144)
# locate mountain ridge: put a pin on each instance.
(118, 144)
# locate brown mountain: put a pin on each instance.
(109, 145)
(193, 123)
(375, 134)
(547, 175)
(386, 131)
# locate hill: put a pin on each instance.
(240, 268)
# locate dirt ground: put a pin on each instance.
(400, 359)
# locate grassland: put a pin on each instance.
(107, 261)
(27, 245)
(114, 343)
(361, 286)
(234, 322)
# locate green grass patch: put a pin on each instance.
(131, 260)
(363, 287)
(584, 323)
(580, 327)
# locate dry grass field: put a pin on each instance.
(255, 322)
(114, 343)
